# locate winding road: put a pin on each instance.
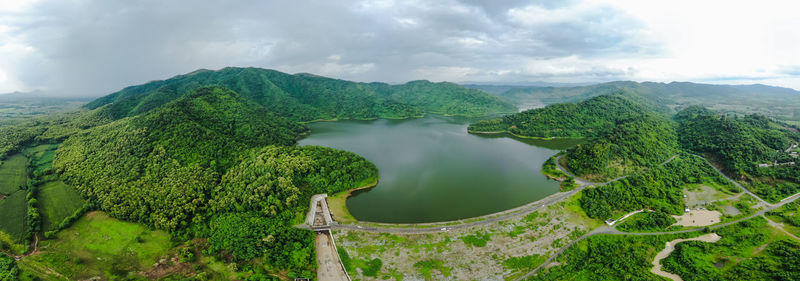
(614, 231)
(733, 181)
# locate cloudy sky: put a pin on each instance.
(97, 47)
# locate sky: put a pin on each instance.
(92, 48)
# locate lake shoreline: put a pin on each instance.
(519, 136)
(338, 202)
(425, 162)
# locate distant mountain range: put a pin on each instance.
(37, 96)
(778, 102)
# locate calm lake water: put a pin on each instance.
(432, 170)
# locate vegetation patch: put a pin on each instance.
(789, 215)
(629, 147)
(338, 202)
(13, 211)
(371, 268)
(647, 222)
(41, 157)
(571, 120)
(333, 99)
(13, 173)
(347, 262)
(98, 245)
(8, 268)
(659, 189)
(11, 246)
(57, 202)
(568, 184)
(749, 250)
(427, 267)
(609, 257)
(552, 171)
(523, 264)
(478, 240)
(751, 149)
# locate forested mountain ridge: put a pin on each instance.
(305, 97)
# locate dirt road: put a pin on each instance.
(670, 246)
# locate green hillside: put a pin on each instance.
(625, 133)
(629, 147)
(740, 145)
(151, 168)
(568, 120)
(211, 164)
(306, 97)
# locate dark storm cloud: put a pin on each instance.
(96, 47)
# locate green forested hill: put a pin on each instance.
(628, 147)
(170, 156)
(740, 144)
(625, 133)
(306, 97)
(569, 120)
(211, 164)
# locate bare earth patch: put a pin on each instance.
(456, 255)
(698, 218)
(702, 195)
(711, 238)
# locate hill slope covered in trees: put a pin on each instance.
(568, 120)
(624, 131)
(305, 97)
(212, 164)
(741, 146)
(630, 146)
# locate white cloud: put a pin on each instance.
(15, 5)
(707, 39)
(96, 47)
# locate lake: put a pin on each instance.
(432, 170)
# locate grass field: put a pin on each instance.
(12, 173)
(57, 201)
(13, 210)
(338, 202)
(97, 245)
(42, 155)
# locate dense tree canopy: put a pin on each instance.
(660, 188)
(571, 120)
(629, 147)
(212, 164)
(160, 167)
(740, 145)
(306, 97)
